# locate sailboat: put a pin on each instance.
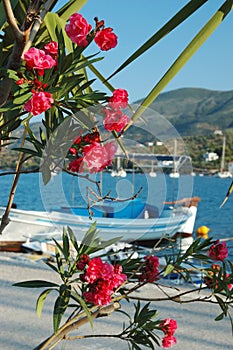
(175, 174)
(152, 173)
(119, 171)
(223, 173)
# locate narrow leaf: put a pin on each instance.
(174, 22)
(168, 270)
(36, 284)
(41, 300)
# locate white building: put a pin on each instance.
(210, 156)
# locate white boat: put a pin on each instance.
(131, 221)
(152, 173)
(119, 171)
(223, 174)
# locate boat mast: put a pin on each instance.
(223, 154)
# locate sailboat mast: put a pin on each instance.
(174, 159)
(223, 154)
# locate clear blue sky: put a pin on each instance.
(134, 21)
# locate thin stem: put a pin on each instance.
(18, 34)
(5, 218)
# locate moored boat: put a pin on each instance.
(131, 221)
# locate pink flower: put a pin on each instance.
(168, 326)
(99, 293)
(119, 98)
(39, 60)
(83, 261)
(91, 137)
(115, 121)
(103, 279)
(97, 156)
(76, 165)
(105, 39)
(78, 29)
(98, 269)
(73, 150)
(168, 341)
(51, 48)
(118, 277)
(39, 102)
(218, 251)
(149, 272)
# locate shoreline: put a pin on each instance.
(22, 329)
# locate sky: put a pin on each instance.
(135, 21)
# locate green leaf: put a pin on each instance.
(46, 173)
(227, 195)
(66, 246)
(36, 284)
(174, 22)
(85, 308)
(27, 151)
(168, 270)
(54, 23)
(61, 305)
(59, 260)
(20, 100)
(41, 300)
(70, 7)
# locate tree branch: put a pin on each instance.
(17, 33)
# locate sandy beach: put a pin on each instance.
(22, 329)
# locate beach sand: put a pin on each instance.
(21, 329)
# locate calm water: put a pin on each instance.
(32, 195)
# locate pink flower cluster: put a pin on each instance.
(103, 279)
(40, 60)
(37, 61)
(218, 251)
(114, 119)
(149, 271)
(78, 31)
(89, 152)
(168, 326)
(39, 102)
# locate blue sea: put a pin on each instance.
(65, 190)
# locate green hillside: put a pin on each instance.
(194, 111)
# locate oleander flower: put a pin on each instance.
(168, 326)
(76, 165)
(98, 293)
(98, 156)
(102, 278)
(78, 29)
(218, 251)
(39, 102)
(115, 120)
(83, 261)
(51, 48)
(168, 341)
(106, 39)
(149, 271)
(38, 60)
(119, 99)
(98, 269)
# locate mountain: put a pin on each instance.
(194, 111)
